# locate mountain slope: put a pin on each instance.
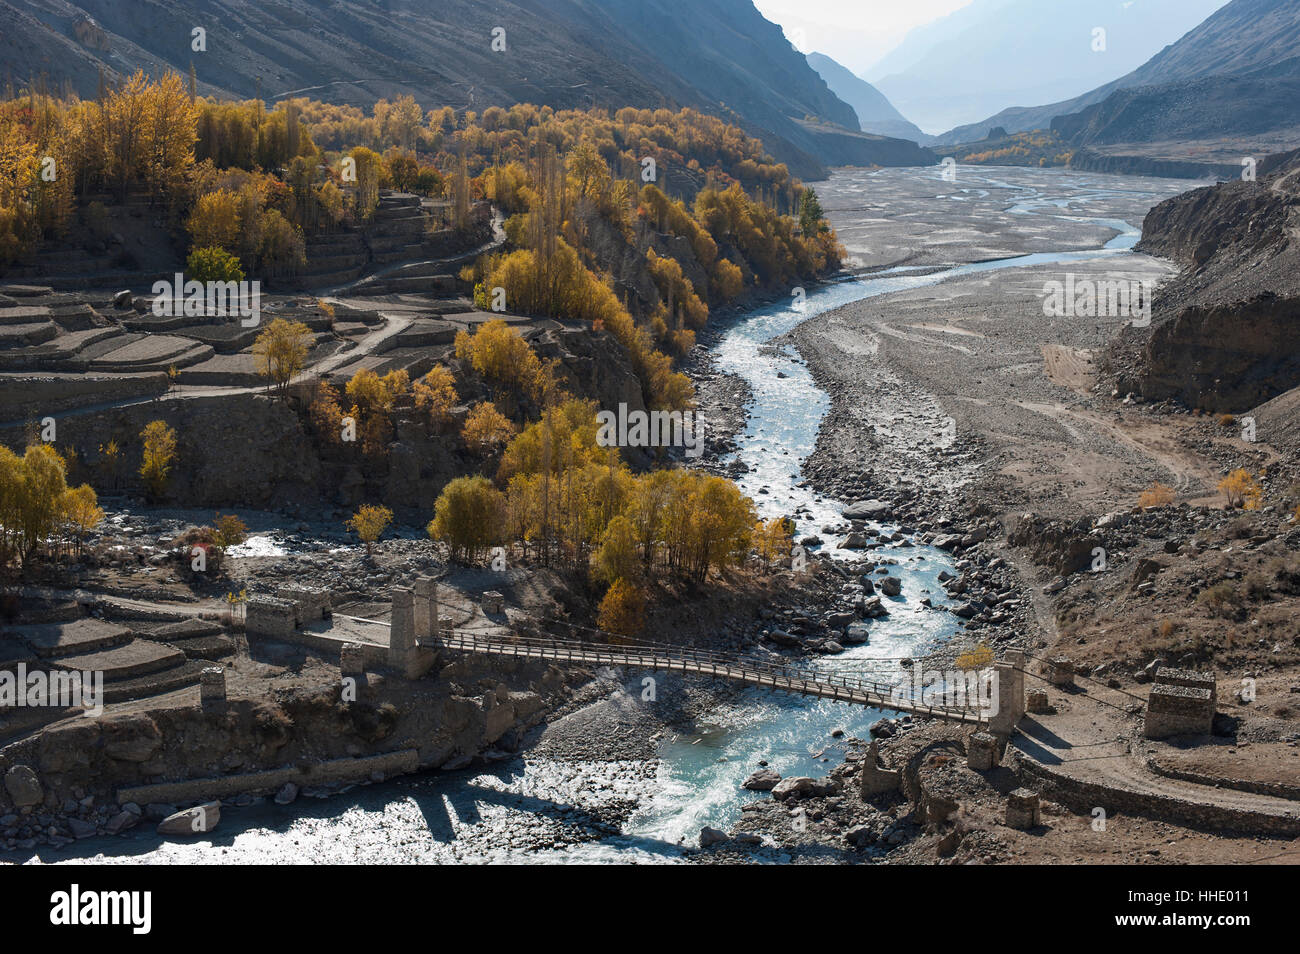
(1027, 51)
(876, 114)
(720, 56)
(1245, 37)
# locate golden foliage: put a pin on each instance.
(773, 540)
(486, 428)
(281, 350)
(622, 611)
(506, 361)
(32, 499)
(325, 414)
(435, 395)
(469, 517)
(158, 455)
(981, 657)
(1241, 490)
(215, 221)
(369, 523)
(1157, 495)
(229, 531)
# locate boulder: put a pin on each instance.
(157, 811)
(122, 821)
(764, 780)
(797, 786)
(782, 638)
(192, 821)
(81, 829)
(891, 586)
(856, 634)
(866, 510)
(287, 794)
(23, 786)
(860, 836)
(712, 836)
(872, 608)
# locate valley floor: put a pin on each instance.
(977, 354)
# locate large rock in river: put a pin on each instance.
(764, 780)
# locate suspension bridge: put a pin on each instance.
(838, 686)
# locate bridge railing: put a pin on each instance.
(845, 678)
(667, 656)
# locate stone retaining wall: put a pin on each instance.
(376, 655)
(1083, 797)
(1276, 789)
(402, 762)
(38, 395)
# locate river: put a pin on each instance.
(539, 809)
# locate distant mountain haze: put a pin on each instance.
(1234, 74)
(720, 56)
(876, 114)
(922, 40)
(855, 33)
(996, 54)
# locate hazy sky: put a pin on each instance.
(855, 32)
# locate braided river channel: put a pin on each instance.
(539, 807)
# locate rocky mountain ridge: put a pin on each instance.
(720, 56)
(1238, 63)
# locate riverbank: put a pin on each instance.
(978, 359)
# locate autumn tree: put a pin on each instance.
(215, 221)
(368, 167)
(469, 517)
(486, 428)
(622, 611)
(773, 540)
(374, 397)
(506, 361)
(618, 557)
(158, 456)
(325, 414)
(369, 523)
(81, 512)
(281, 350)
(229, 531)
(435, 395)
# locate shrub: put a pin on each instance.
(229, 531)
(1241, 490)
(1157, 495)
(1220, 599)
